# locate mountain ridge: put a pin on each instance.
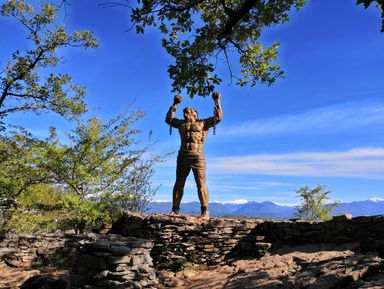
(267, 209)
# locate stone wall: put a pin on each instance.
(368, 231)
(114, 262)
(96, 261)
(25, 250)
(187, 238)
(217, 240)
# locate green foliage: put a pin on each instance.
(22, 87)
(380, 5)
(179, 264)
(316, 204)
(16, 173)
(102, 160)
(200, 33)
(95, 175)
(44, 208)
(88, 178)
(36, 211)
(20, 163)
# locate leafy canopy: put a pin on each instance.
(199, 34)
(22, 87)
(316, 204)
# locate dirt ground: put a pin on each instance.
(309, 266)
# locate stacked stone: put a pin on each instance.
(21, 250)
(367, 230)
(217, 240)
(114, 262)
(188, 238)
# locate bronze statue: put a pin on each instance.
(193, 132)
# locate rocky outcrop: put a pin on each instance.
(114, 262)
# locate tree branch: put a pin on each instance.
(237, 45)
(19, 108)
(20, 76)
(227, 10)
(114, 4)
(235, 17)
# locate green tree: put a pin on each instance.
(39, 208)
(97, 156)
(20, 172)
(316, 204)
(98, 171)
(199, 34)
(22, 85)
(21, 160)
(100, 168)
(102, 162)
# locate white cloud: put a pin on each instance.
(242, 185)
(366, 162)
(220, 186)
(376, 200)
(330, 119)
(235, 202)
(286, 205)
(233, 187)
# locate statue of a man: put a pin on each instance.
(193, 132)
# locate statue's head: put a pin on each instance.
(190, 114)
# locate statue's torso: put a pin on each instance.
(192, 136)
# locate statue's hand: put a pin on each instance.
(216, 95)
(177, 99)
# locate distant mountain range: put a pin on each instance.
(266, 209)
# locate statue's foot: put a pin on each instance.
(204, 216)
(175, 211)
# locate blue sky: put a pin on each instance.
(322, 124)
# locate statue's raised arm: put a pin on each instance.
(217, 112)
(170, 117)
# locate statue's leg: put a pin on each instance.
(202, 191)
(182, 173)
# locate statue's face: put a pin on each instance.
(190, 114)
